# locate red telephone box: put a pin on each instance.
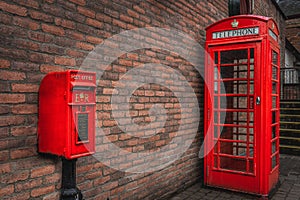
(242, 104)
(66, 125)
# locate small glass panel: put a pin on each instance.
(274, 146)
(216, 58)
(232, 56)
(274, 72)
(216, 73)
(216, 117)
(226, 132)
(216, 132)
(234, 102)
(216, 102)
(274, 117)
(274, 102)
(274, 161)
(251, 55)
(274, 130)
(274, 87)
(234, 87)
(238, 118)
(274, 58)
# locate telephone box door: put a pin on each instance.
(235, 108)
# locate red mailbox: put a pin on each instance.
(66, 125)
(242, 104)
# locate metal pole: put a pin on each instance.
(69, 191)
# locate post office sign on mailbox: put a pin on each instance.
(66, 125)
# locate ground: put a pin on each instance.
(289, 185)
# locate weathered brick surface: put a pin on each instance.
(38, 37)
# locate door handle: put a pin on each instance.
(257, 100)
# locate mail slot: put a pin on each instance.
(66, 125)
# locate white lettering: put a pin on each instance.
(236, 33)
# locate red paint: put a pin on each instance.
(66, 125)
(240, 57)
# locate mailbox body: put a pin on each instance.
(241, 125)
(66, 125)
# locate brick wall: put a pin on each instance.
(267, 8)
(38, 37)
(293, 32)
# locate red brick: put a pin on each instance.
(108, 90)
(101, 180)
(139, 106)
(23, 131)
(53, 178)
(103, 99)
(40, 16)
(50, 68)
(29, 3)
(60, 60)
(15, 176)
(110, 185)
(93, 175)
(20, 195)
(42, 190)
(25, 87)
(79, 2)
(75, 35)
(41, 37)
(75, 53)
(11, 75)
(133, 14)
(11, 120)
(28, 185)
(139, 9)
(65, 23)
(23, 153)
(40, 58)
(54, 195)
(4, 132)
(103, 115)
(84, 46)
(94, 40)
(12, 98)
(87, 12)
(26, 23)
(94, 23)
(4, 156)
(25, 109)
(126, 18)
(125, 62)
(119, 23)
(5, 168)
(149, 93)
(103, 17)
(109, 123)
(6, 190)
(25, 44)
(4, 64)
(53, 29)
(42, 171)
(18, 10)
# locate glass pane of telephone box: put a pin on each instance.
(235, 120)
